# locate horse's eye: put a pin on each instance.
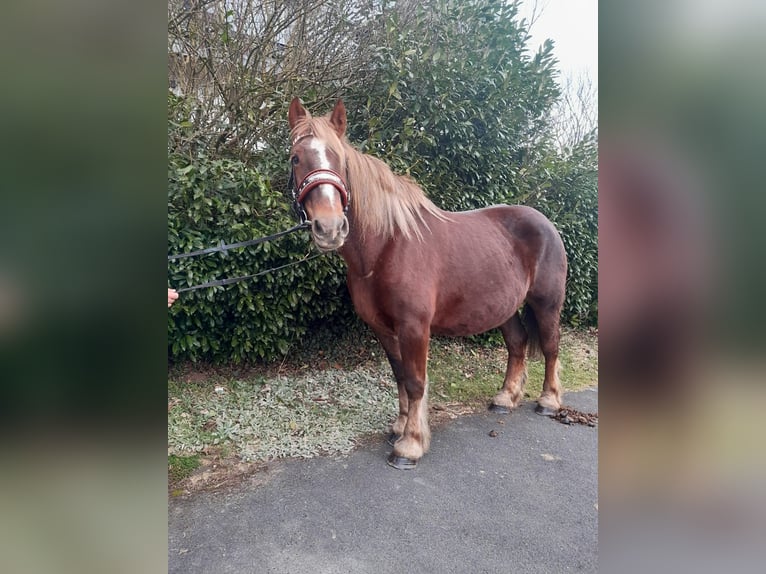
(294, 160)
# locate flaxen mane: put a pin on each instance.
(382, 202)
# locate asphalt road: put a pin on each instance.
(523, 501)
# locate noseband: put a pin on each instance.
(314, 179)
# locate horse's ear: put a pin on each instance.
(338, 118)
(297, 112)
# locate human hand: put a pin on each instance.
(172, 296)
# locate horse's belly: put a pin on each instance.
(476, 301)
(460, 320)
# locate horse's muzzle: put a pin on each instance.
(329, 233)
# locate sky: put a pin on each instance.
(573, 25)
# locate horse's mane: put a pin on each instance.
(381, 201)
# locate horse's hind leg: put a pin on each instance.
(510, 394)
(547, 318)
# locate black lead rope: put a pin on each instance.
(245, 277)
(222, 247)
(225, 247)
(304, 224)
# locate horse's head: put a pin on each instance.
(319, 188)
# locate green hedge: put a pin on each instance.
(214, 200)
(565, 188)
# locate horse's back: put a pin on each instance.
(525, 227)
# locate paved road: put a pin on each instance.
(524, 501)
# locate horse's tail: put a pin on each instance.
(529, 320)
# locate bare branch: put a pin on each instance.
(576, 115)
(233, 56)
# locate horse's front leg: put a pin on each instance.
(397, 429)
(416, 435)
(390, 344)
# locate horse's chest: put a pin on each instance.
(366, 303)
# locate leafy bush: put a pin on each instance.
(456, 110)
(566, 190)
(223, 200)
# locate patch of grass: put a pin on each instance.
(181, 467)
(303, 415)
(472, 372)
(460, 370)
(325, 401)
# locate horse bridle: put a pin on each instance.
(314, 179)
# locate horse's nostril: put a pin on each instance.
(344, 227)
(318, 227)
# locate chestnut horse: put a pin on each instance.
(415, 270)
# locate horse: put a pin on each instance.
(415, 270)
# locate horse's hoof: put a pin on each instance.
(401, 462)
(499, 409)
(546, 411)
(392, 438)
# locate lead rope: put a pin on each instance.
(222, 247)
(220, 282)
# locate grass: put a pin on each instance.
(333, 392)
(260, 418)
(470, 371)
(181, 467)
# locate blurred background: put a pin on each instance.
(82, 260)
(681, 364)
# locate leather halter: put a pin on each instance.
(318, 177)
(312, 180)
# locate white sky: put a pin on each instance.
(573, 25)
